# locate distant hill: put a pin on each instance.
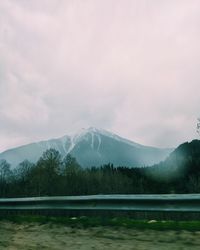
(182, 163)
(91, 147)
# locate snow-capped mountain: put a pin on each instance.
(91, 147)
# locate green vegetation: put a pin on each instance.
(126, 222)
(54, 176)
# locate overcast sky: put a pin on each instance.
(129, 66)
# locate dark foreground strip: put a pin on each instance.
(126, 222)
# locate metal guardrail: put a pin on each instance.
(143, 203)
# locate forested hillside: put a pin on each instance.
(53, 175)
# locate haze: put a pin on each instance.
(130, 67)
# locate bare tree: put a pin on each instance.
(5, 174)
(198, 126)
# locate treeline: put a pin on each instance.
(53, 176)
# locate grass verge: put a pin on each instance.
(86, 222)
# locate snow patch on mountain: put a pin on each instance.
(111, 135)
(91, 147)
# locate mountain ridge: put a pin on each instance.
(88, 146)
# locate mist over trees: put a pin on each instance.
(52, 176)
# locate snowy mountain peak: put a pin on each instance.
(106, 133)
(91, 147)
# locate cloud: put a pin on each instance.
(131, 67)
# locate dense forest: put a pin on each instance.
(52, 176)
